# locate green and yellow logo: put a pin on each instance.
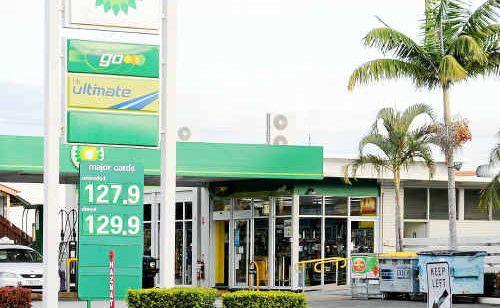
(86, 153)
(116, 5)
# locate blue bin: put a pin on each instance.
(466, 269)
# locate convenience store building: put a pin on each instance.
(276, 206)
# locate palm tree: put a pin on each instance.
(398, 142)
(491, 193)
(458, 44)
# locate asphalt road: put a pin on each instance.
(375, 303)
(313, 301)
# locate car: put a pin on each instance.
(21, 265)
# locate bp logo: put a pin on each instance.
(359, 265)
(116, 5)
(81, 153)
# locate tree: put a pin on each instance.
(490, 195)
(458, 44)
(397, 142)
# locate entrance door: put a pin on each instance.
(241, 258)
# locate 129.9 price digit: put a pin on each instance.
(111, 193)
(114, 225)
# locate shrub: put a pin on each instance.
(264, 299)
(15, 297)
(178, 297)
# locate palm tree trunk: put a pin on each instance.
(399, 235)
(452, 199)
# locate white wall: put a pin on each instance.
(387, 218)
(439, 228)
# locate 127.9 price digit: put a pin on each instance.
(112, 194)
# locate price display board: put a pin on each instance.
(110, 218)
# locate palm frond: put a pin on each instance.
(466, 49)
(450, 70)
(376, 162)
(482, 17)
(387, 40)
(378, 141)
(414, 111)
(384, 69)
(490, 195)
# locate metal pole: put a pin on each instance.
(168, 142)
(53, 15)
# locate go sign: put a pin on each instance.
(110, 218)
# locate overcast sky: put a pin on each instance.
(238, 59)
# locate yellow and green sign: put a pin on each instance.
(110, 218)
(111, 92)
(113, 58)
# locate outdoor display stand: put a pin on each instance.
(365, 276)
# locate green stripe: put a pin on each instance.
(112, 128)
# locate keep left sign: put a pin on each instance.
(439, 289)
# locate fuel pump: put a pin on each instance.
(68, 250)
(36, 228)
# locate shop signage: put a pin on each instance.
(113, 58)
(364, 266)
(110, 217)
(438, 281)
(112, 93)
(116, 104)
(141, 16)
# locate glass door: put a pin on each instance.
(362, 236)
(241, 251)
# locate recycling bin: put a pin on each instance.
(466, 270)
(399, 272)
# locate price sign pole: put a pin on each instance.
(52, 119)
(110, 218)
(168, 33)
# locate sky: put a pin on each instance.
(239, 59)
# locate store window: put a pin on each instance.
(261, 207)
(335, 246)
(282, 241)
(336, 206)
(243, 208)
(183, 243)
(472, 211)
(283, 206)
(415, 203)
(310, 205)
(147, 229)
(438, 203)
(362, 236)
(363, 206)
(222, 204)
(310, 248)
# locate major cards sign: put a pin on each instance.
(110, 217)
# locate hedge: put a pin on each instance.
(178, 297)
(15, 297)
(264, 299)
